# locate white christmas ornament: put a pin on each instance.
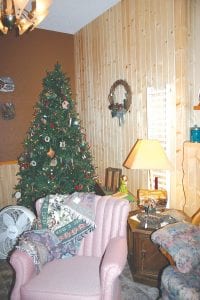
(65, 104)
(75, 123)
(53, 162)
(62, 144)
(17, 195)
(33, 163)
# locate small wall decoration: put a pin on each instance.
(6, 84)
(7, 111)
(122, 91)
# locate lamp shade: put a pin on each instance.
(149, 155)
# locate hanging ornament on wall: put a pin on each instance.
(7, 111)
(51, 153)
(6, 84)
(119, 107)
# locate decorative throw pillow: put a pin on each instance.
(69, 217)
(182, 241)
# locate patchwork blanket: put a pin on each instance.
(63, 221)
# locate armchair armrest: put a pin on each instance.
(113, 261)
(168, 256)
(24, 270)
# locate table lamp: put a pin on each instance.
(147, 155)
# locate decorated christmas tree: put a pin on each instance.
(56, 156)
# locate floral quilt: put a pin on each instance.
(182, 241)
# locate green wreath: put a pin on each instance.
(119, 109)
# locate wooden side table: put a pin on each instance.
(145, 259)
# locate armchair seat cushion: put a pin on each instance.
(75, 278)
(180, 286)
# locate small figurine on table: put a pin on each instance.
(123, 184)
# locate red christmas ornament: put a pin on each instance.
(52, 125)
(78, 187)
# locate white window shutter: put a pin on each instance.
(158, 107)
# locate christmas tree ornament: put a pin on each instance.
(17, 195)
(51, 153)
(47, 139)
(46, 103)
(52, 125)
(76, 123)
(62, 144)
(24, 166)
(70, 122)
(33, 163)
(21, 158)
(65, 104)
(44, 121)
(78, 187)
(53, 162)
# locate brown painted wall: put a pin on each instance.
(26, 59)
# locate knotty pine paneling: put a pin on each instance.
(8, 180)
(133, 41)
(191, 178)
(149, 43)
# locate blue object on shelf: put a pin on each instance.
(195, 134)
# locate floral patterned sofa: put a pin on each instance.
(181, 244)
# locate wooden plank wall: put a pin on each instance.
(191, 178)
(8, 180)
(144, 42)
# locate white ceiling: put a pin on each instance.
(69, 16)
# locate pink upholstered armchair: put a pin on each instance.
(91, 274)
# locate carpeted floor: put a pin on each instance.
(136, 291)
(130, 290)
